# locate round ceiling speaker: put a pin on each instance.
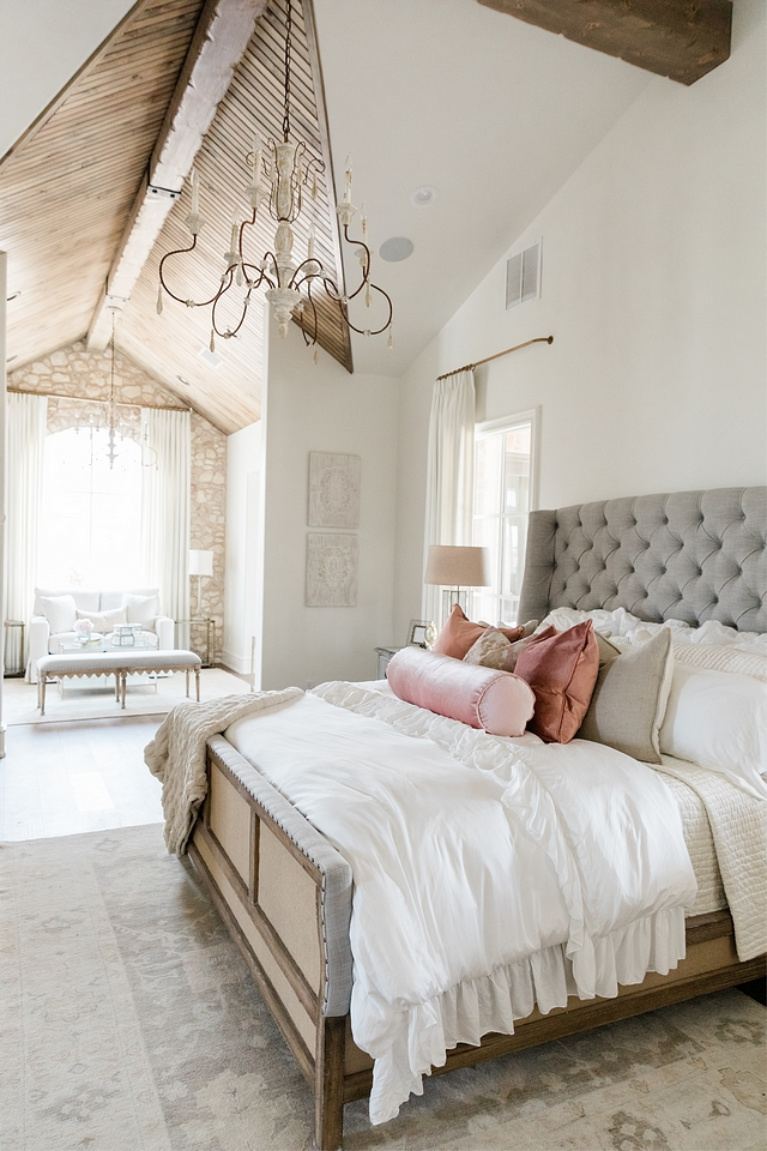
(396, 248)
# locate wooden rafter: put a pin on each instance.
(221, 37)
(681, 39)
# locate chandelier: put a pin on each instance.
(287, 169)
(117, 424)
(111, 406)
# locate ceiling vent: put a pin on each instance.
(210, 357)
(523, 276)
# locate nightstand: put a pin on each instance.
(208, 654)
(384, 654)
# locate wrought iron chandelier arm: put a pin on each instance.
(228, 332)
(375, 331)
(258, 279)
(315, 320)
(312, 270)
(185, 299)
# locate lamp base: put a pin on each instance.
(451, 597)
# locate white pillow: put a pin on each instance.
(105, 621)
(719, 720)
(142, 609)
(60, 611)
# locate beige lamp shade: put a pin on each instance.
(458, 566)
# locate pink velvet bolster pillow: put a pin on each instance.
(497, 701)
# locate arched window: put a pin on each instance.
(91, 515)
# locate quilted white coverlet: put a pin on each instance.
(739, 826)
(446, 947)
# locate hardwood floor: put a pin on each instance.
(66, 778)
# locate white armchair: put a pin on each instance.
(56, 612)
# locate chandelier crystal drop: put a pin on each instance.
(289, 171)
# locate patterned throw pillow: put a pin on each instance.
(490, 650)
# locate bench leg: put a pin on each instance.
(197, 682)
(123, 686)
(187, 683)
(41, 692)
(117, 687)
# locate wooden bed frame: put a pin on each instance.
(249, 863)
(285, 893)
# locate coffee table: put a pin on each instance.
(106, 643)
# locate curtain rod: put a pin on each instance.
(497, 356)
(94, 400)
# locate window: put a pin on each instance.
(503, 481)
(91, 516)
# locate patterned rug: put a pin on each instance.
(129, 1021)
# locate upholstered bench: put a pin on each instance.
(120, 664)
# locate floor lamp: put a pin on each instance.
(453, 568)
(200, 564)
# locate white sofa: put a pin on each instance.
(56, 611)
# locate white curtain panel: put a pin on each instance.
(27, 419)
(450, 476)
(165, 504)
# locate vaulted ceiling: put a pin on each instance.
(73, 190)
(491, 113)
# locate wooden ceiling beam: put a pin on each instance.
(681, 39)
(221, 37)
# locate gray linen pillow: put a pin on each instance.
(630, 697)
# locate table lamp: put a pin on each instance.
(455, 567)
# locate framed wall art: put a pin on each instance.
(331, 569)
(334, 490)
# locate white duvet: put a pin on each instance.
(488, 875)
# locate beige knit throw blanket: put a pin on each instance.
(176, 755)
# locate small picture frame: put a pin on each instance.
(421, 633)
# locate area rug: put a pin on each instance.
(128, 1021)
(89, 699)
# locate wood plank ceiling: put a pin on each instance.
(68, 188)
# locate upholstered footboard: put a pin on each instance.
(285, 895)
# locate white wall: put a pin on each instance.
(654, 289)
(321, 407)
(242, 570)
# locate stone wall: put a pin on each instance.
(77, 373)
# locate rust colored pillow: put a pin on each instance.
(562, 671)
(516, 649)
(459, 634)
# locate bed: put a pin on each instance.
(286, 893)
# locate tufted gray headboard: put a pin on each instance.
(692, 556)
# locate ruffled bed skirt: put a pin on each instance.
(492, 1003)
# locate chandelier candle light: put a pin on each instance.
(288, 168)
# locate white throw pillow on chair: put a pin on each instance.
(60, 611)
(143, 610)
